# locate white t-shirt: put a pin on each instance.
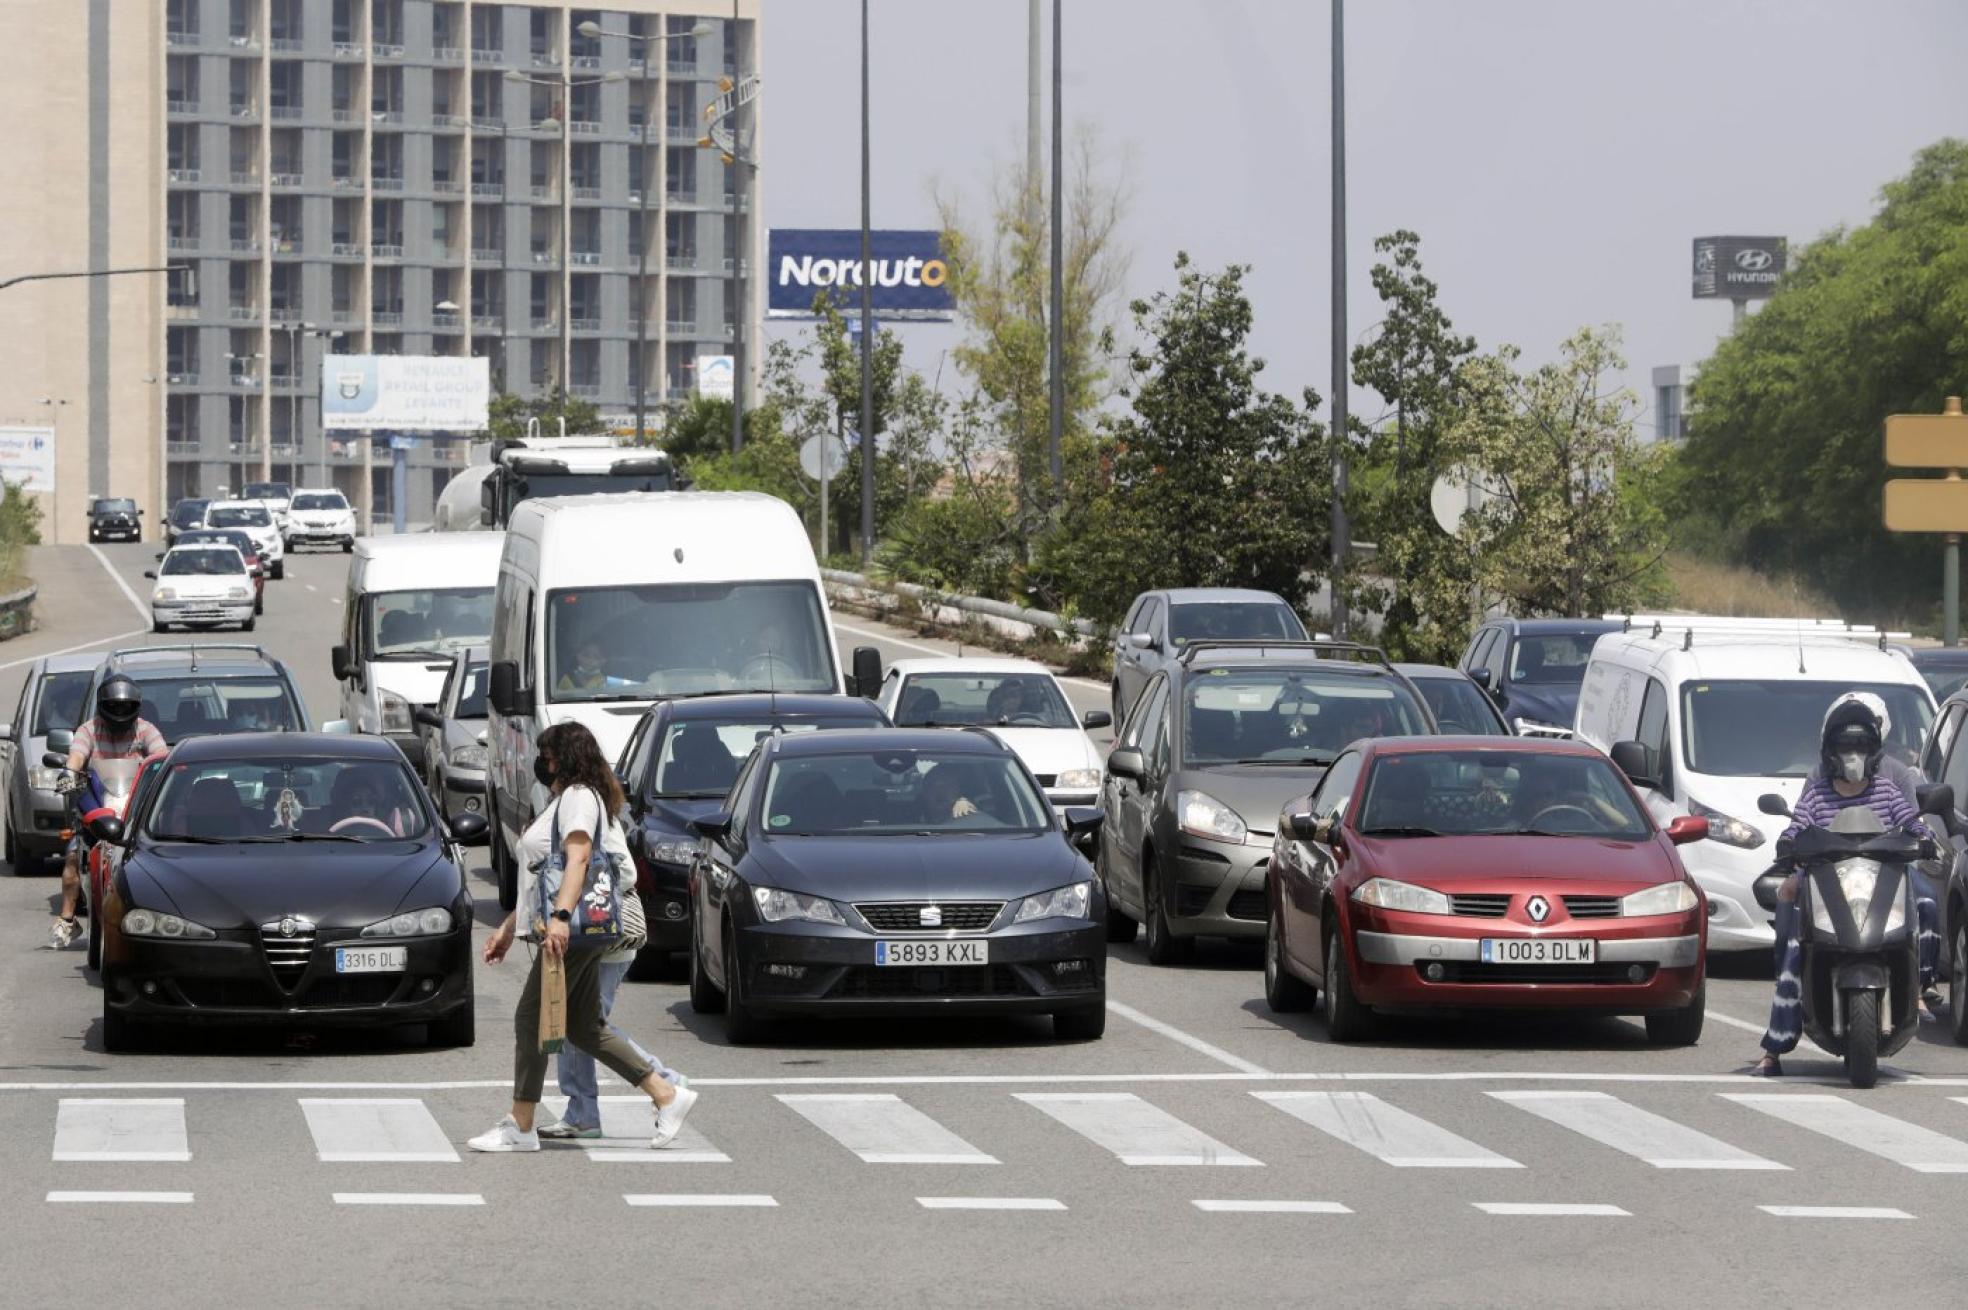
(580, 811)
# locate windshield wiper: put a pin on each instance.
(1316, 757)
(1400, 830)
(187, 837)
(300, 836)
(1536, 832)
(415, 653)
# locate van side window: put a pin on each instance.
(1147, 709)
(526, 659)
(1652, 732)
(1155, 733)
(1939, 740)
(1149, 617)
(1479, 649)
(1134, 611)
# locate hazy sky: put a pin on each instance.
(1556, 156)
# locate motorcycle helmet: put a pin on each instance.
(1853, 742)
(118, 701)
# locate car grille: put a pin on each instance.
(1465, 971)
(1592, 907)
(871, 983)
(228, 994)
(1248, 905)
(1480, 905)
(906, 916)
(288, 955)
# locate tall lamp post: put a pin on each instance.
(55, 406)
(331, 335)
(594, 31)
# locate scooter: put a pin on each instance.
(95, 815)
(1859, 973)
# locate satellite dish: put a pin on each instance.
(823, 447)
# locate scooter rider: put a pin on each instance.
(116, 732)
(1850, 752)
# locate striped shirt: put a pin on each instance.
(1821, 803)
(97, 740)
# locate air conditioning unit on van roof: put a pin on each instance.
(1729, 629)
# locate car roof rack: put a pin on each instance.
(1322, 647)
(191, 648)
(1737, 631)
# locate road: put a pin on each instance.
(1202, 1149)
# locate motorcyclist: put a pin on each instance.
(116, 732)
(1851, 747)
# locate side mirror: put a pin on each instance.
(480, 739)
(1636, 761)
(1083, 820)
(150, 573)
(426, 717)
(1935, 798)
(60, 740)
(54, 759)
(503, 690)
(6, 732)
(468, 829)
(1771, 803)
(1143, 641)
(1096, 719)
(1303, 826)
(339, 661)
(1481, 677)
(1684, 828)
(107, 829)
(716, 826)
(337, 727)
(1126, 763)
(158, 555)
(867, 672)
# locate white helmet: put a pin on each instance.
(1872, 702)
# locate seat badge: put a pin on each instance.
(931, 916)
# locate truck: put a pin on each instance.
(482, 495)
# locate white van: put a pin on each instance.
(608, 603)
(413, 602)
(1708, 714)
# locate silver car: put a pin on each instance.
(453, 733)
(53, 697)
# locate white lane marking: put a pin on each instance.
(1548, 1208)
(123, 1131)
(1271, 1207)
(119, 1198)
(892, 640)
(989, 1203)
(1919, 1149)
(1404, 1140)
(143, 610)
(700, 1198)
(626, 1125)
(1834, 1212)
(408, 1198)
(1189, 1040)
(86, 645)
(308, 586)
(1660, 1141)
(882, 1128)
(392, 1130)
(1135, 1131)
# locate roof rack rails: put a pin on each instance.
(1789, 632)
(191, 648)
(1325, 647)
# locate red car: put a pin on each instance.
(1467, 873)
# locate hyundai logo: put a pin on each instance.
(1754, 261)
(931, 916)
(1538, 908)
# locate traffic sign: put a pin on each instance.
(1926, 505)
(1928, 441)
(822, 456)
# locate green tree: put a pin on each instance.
(507, 415)
(20, 527)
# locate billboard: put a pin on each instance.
(27, 457)
(910, 277)
(404, 393)
(1738, 268)
(716, 377)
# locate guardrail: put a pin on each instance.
(17, 613)
(942, 608)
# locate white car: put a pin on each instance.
(256, 521)
(319, 518)
(203, 586)
(276, 496)
(1018, 700)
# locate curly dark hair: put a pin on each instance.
(578, 762)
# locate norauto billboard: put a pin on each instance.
(909, 279)
(1737, 268)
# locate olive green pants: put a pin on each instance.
(587, 1027)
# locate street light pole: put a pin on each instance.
(1341, 546)
(739, 163)
(1056, 417)
(867, 423)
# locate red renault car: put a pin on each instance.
(1473, 873)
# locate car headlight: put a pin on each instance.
(1387, 894)
(412, 923)
(41, 779)
(1060, 903)
(675, 850)
(775, 906)
(1078, 780)
(468, 757)
(150, 923)
(396, 713)
(1202, 815)
(1667, 898)
(164, 593)
(1538, 728)
(1726, 828)
(239, 593)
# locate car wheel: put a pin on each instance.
(1086, 1024)
(120, 1032)
(1284, 991)
(705, 998)
(504, 868)
(1346, 1019)
(247, 626)
(13, 858)
(741, 1026)
(279, 568)
(458, 1028)
(158, 625)
(1682, 1027)
(1120, 928)
(1164, 947)
(96, 942)
(348, 547)
(1957, 981)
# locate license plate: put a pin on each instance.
(1540, 950)
(941, 952)
(371, 959)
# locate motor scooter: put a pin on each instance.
(1859, 970)
(96, 815)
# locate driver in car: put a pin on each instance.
(943, 796)
(360, 801)
(588, 673)
(1013, 699)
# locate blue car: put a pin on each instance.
(1533, 668)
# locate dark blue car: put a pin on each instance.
(1533, 668)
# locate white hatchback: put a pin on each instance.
(201, 586)
(256, 521)
(1020, 701)
(320, 518)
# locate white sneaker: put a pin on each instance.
(505, 1136)
(669, 1118)
(560, 1130)
(64, 934)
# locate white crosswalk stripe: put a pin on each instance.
(1919, 1149)
(376, 1130)
(124, 1130)
(882, 1128)
(627, 1123)
(1404, 1140)
(1135, 1131)
(1642, 1134)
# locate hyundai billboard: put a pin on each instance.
(910, 278)
(1738, 268)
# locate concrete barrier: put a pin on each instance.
(884, 598)
(17, 613)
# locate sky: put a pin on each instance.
(1557, 157)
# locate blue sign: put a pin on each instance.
(909, 280)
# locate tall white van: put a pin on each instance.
(412, 603)
(1707, 714)
(608, 603)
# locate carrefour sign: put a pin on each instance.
(908, 277)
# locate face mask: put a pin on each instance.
(588, 668)
(543, 771)
(1852, 765)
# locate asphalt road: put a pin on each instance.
(1202, 1150)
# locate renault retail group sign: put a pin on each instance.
(1738, 268)
(909, 278)
(405, 393)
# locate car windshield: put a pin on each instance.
(238, 516)
(203, 561)
(409, 624)
(320, 500)
(533, 486)
(1459, 707)
(267, 491)
(188, 512)
(639, 643)
(1301, 715)
(1000, 700)
(1756, 728)
(277, 799)
(119, 506)
(183, 707)
(887, 792)
(1495, 791)
(1233, 620)
(701, 757)
(471, 695)
(1556, 659)
(221, 537)
(61, 701)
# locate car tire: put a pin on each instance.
(1957, 978)
(1682, 1027)
(279, 570)
(457, 1029)
(1346, 1019)
(505, 870)
(1284, 991)
(348, 547)
(1120, 927)
(1086, 1024)
(247, 626)
(741, 1025)
(159, 626)
(12, 851)
(120, 1032)
(95, 942)
(705, 998)
(1164, 947)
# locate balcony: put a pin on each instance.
(386, 117)
(445, 320)
(448, 54)
(488, 58)
(348, 49)
(183, 38)
(245, 246)
(680, 327)
(546, 323)
(488, 322)
(342, 316)
(344, 114)
(682, 68)
(181, 449)
(343, 182)
(543, 193)
(546, 59)
(182, 176)
(491, 189)
(683, 134)
(449, 122)
(481, 255)
(286, 113)
(181, 243)
(181, 108)
(284, 315)
(245, 177)
(584, 390)
(385, 250)
(181, 377)
(243, 111)
(243, 43)
(585, 62)
(487, 123)
(243, 381)
(677, 196)
(345, 250)
(448, 186)
(387, 317)
(544, 258)
(387, 50)
(386, 184)
(581, 324)
(286, 45)
(584, 127)
(586, 258)
(587, 193)
(288, 181)
(290, 244)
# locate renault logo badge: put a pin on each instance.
(1538, 908)
(931, 916)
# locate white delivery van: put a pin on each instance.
(412, 603)
(1708, 714)
(607, 603)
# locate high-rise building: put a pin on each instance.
(356, 176)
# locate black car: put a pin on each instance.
(679, 765)
(1944, 667)
(1456, 700)
(286, 879)
(1533, 669)
(115, 518)
(184, 516)
(898, 871)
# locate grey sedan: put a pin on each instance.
(453, 733)
(52, 697)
